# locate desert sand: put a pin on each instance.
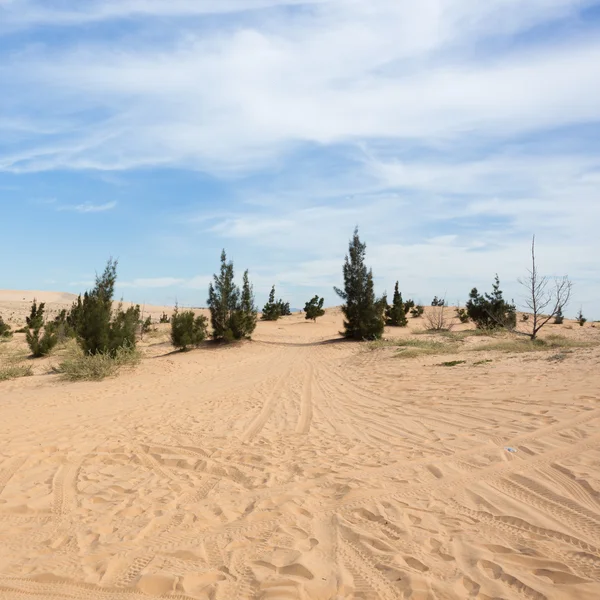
(301, 466)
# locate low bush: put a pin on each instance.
(96, 367)
(14, 371)
(187, 329)
(5, 331)
(417, 311)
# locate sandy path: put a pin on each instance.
(290, 467)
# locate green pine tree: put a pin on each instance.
(247, 310)
(272, 309)
(223, 299)
(187, 329)
(39, 343)
(396, 315)
(314, 308)
(362, 311)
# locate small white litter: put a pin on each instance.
(510, 449)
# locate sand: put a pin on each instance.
(301, 466)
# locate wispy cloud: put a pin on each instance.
(88, 207)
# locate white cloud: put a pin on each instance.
(88, 207)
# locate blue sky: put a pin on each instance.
(160, 132)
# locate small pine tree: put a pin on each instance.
(245, 321)
(272, 309)
(396, 314)
(284, 308)
(559, 317)
(417, 311)
(5, 331)
(223, 297)
(462, 315)
(164, 318)
(491, 311)
(438, 301)
(363, 315)
(233, 316)
(314, 308)
(187, 329)
(408, 306)
(581, 319)
(39, 344)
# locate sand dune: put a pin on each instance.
(295, 466)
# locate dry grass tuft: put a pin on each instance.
(78, 366)
(518, 345)
(15, 371)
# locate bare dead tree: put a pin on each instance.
(436, 318)
(546, 297)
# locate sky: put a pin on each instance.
(158, 133)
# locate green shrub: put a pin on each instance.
(581, 319)
(5, 331)
(40, 343)
(187, 329)
(559, 317)
(417, 311)
(164, 318)
(438, 301)
(408, 305)
(271, 310)
(314, 308)
(491, 311)
(451, 363)
(462, 315)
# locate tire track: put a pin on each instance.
(306, 403)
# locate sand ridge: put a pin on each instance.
(299, 465)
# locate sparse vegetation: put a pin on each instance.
(491, 311)
(408, 305)
(164, 319)
(40, 343)
(78, 366)
(313, 309)
(438, 301)
(15, 371)
(483, 362)
(452, 363)
(581, 319)
(362, 312)
(187, 329)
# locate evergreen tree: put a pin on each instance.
(223, 298)
(363, 317)
(438, 301)
(5, 331)
(283, 308)
(314, 308)
(491, 311)
(247, 311)
(164, 318)
(396, 314)
(417, 311)
(559, 317)
(39, 344)
(187, 329)
(232, 315)
(408, 305)
(272, 309)
(581, 319)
